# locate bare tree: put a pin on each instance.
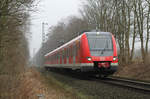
(126, 19)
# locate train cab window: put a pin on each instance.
(100, 42)
(100, 45)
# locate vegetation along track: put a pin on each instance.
(137, 85)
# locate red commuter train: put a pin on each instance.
(90, 52)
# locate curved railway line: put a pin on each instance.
(128, 83)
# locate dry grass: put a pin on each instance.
(136, 70)
(28, 85)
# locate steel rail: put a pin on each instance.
(133, 84)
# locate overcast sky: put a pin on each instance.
(50, 11)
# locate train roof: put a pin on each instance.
(63, 45)
(95, 33)
(87, 33)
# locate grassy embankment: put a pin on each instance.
(136, 70)
(68, 91)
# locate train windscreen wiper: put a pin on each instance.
(104, 48)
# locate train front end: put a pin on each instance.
(103, 52)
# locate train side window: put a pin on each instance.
(79, 45)
(52, 58)
(68, 55)
(68, 52)
(74, 53)
(58, 57)
(55, 57)
(77, 49)
(73, 50)
(62, 55)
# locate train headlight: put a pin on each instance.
(114, 58)
(98, 33)
(89, 58)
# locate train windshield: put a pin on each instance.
(100, 45)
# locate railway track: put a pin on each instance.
(121, 82)
(132, 84)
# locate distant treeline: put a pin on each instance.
(128, 20)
